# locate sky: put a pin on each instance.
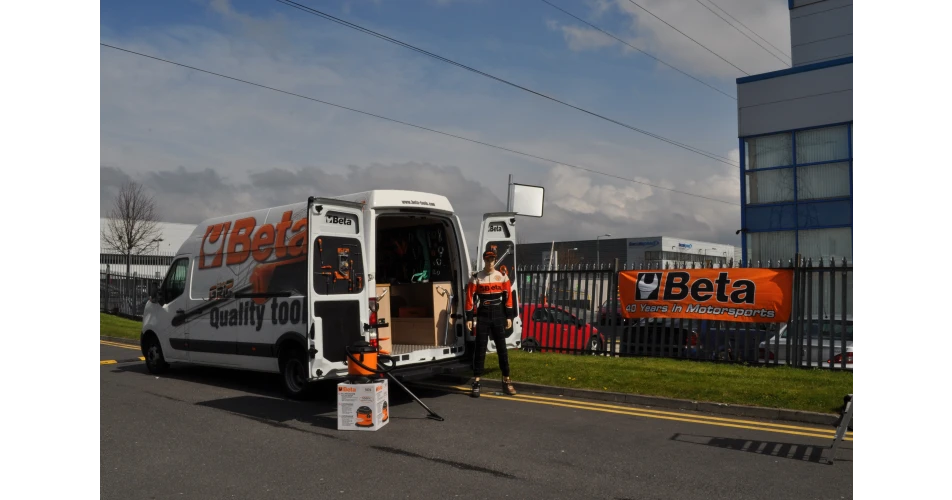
(207, 146)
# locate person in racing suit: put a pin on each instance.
(493, 291)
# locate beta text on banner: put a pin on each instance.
(729, 294)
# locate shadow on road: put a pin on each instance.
(265, 402)
(791, 451)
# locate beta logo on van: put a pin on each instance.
(232, 243)
(339, 220)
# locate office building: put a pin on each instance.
(796, 128)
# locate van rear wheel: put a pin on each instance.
(294, 377)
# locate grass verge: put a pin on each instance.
(114, 326)
(773, 387)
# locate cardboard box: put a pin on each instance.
(412, 312)
(363, 407)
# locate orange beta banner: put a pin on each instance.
(729, 294)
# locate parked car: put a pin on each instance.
(820, 333)
(549, 327)
(604, 316)
(730, 341)
(660, 337)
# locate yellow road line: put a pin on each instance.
(739, 424)
(703, 417)
(660, 412)
(116, 344)
(113, 361)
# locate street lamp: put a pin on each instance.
(597, 259)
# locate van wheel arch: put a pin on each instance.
(145, 336)
(292, 364)
(288, 342)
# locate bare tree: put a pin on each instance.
(132, 224)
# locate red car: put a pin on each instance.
(548, 327)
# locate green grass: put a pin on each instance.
(774, 387)
(114, 326)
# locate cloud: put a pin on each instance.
(576, 204)
(581, 39)
(207, 146)
(642, 30)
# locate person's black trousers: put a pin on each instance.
(491, 322)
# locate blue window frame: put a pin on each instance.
(797, 180)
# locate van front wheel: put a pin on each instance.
(154, 359)
(294, 373)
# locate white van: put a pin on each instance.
(286, 289)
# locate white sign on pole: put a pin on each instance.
(526, 200)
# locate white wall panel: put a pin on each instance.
(798, 100)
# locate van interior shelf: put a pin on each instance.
(416, 314)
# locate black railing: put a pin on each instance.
(576, 309)
(125, 296)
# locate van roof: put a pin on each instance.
(395, 198)
(375, 199)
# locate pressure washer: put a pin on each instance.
(362, 368)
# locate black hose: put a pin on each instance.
(431, 413)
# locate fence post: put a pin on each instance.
(794, 323)
(613, 289)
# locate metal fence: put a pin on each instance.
(576, 309)
(126, 296)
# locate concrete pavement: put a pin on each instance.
(213, 433)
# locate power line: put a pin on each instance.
(739, 31)
(639, 50)
(745, 26)
(689, 38)
(381, 117)
(342, 22)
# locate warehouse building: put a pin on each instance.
(650, 251)
(154, 261)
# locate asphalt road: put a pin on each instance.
(213, 433)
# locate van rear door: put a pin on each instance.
(498, 232)
(337, 282)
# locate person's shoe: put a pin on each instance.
(508, 388)
(475, 393)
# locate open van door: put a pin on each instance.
(498, 232)
(337, 282)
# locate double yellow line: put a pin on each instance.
(121, 346)
(658, 414)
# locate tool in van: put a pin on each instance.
(449, 303)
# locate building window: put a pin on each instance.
(826, 243)
(828, 180)
(797, 194)
(774, 246)
(769, 151)
(770, 186)
(823, 144)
